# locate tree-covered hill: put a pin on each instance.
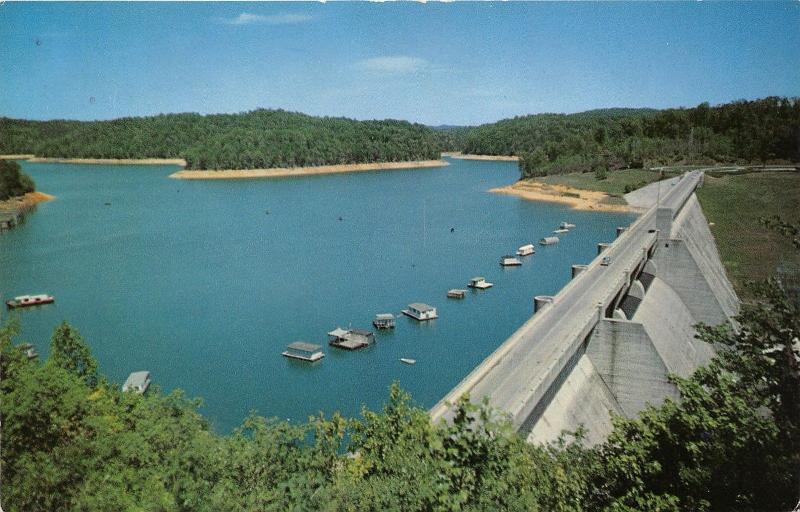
(257, 139)
(743, 131)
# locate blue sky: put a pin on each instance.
(433, 63)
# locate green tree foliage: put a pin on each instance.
(13, 182)
(69, 351)
(252, 140)
(743, 131)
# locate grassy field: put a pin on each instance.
(614, 184)
(734, 204)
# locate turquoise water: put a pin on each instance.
(197, 283)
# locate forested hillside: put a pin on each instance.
(73, 441)
(743, 131)
(252, 140)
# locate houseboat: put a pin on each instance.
(384, 321)
(138, 382)
(29, 300)
(566, 225)
(456, 293)
(479, 283)
(526, 250)
(29, 350)
(352, 339)
(549, 240)
(509, 261)
(303, 351)
(420, 312)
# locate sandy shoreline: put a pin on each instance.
(28, 200)
(106, 161)
(279, 172)
(501, 158)
(16, 157)
(585, 200)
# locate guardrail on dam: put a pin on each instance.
(609, 338)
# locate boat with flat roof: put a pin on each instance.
(384, 321)
(303, 351)
(480, 283)
(138, 382)
(421, 312)
(526, 250)
(509, 261)
(23, 301)
(549, 240)
(351, 339)
(456, 293)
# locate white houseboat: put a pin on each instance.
(303, 351)
(479, 283)
(526, 250)
(137, 382)
(29, 300)
(420, 312)
(509, 261)
(549, 240)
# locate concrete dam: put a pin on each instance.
(610, 338)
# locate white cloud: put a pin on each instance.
(247, 18)
(398, 64)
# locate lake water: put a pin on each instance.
(197, 283)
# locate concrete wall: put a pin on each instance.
(583, 399)
(691, 226)
(571, 365)
(670, 326)
(689, 263)
(629, 364)
(627, 361)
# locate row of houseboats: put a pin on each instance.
(354, 339)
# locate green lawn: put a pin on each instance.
(614, 184)
(734, 204)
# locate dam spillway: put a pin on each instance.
(610, 338)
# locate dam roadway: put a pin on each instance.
(524, 373)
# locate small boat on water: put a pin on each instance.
(566, 225)
(561, 230)
(549, 240)
(408, 360)
(456, 293)
(29, 300)
(303, 351)
(137, 382)
(480, 283)
(384, 321)
(526, 250)
(421, 312)
(509, 261)
(351, 339)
